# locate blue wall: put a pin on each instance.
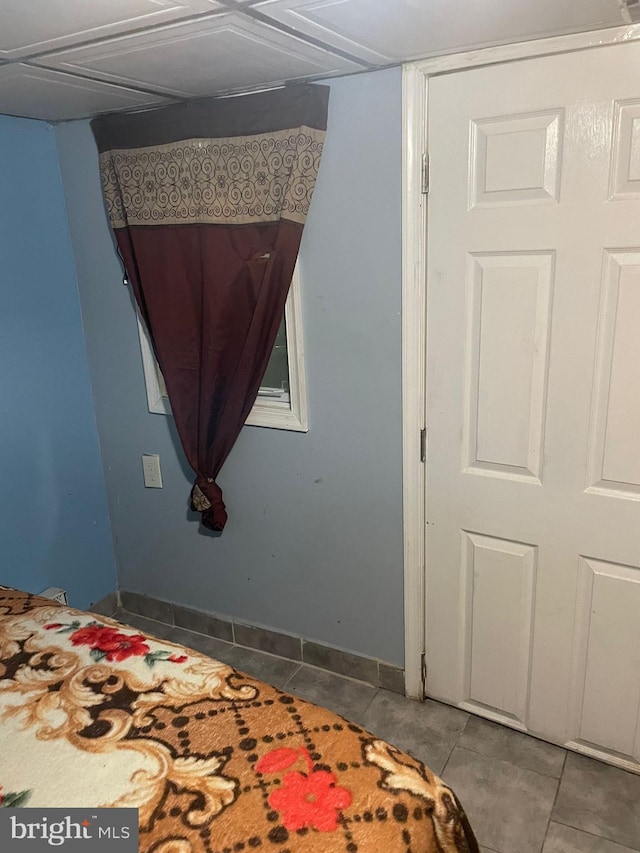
(313, 545)
(54, 523)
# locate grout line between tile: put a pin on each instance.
(510, 763)
(455, 744)
(200, 634)
(261, 652)
(555, 800)
(284, 686)
(370, 702)
(449, 758)
(514, 763)
(539, 772)
(594, 835)
(340, 675)
(464, 728)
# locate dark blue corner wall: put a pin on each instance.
(54, 521)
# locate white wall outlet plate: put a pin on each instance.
(151, 471)
(55, 593)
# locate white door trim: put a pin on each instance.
(415, 80)
(414, 232)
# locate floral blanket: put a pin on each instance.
(93, 713)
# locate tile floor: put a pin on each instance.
(522, 795)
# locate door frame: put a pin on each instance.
(415, 81)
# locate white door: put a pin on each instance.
(533, 396)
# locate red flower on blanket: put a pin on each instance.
(112, 644)
(94, 635)
(123, 646)
(305, 799)
(312, 800)
(115, 645)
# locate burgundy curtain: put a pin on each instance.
(207, 200)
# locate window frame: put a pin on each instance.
(268, 411)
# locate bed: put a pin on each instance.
(94, 714)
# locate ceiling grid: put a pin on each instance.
(69, 59)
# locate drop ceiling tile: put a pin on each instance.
(203, 57)
(50, 95)
(382, 31)
(43, 25)
(37, 26)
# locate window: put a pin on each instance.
(282, 400)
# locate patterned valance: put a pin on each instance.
(237, 180)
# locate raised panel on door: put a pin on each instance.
(606, 705)
(625, 173)
(498, 640)
(508, 335)
(516, 159)
(615, 448)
